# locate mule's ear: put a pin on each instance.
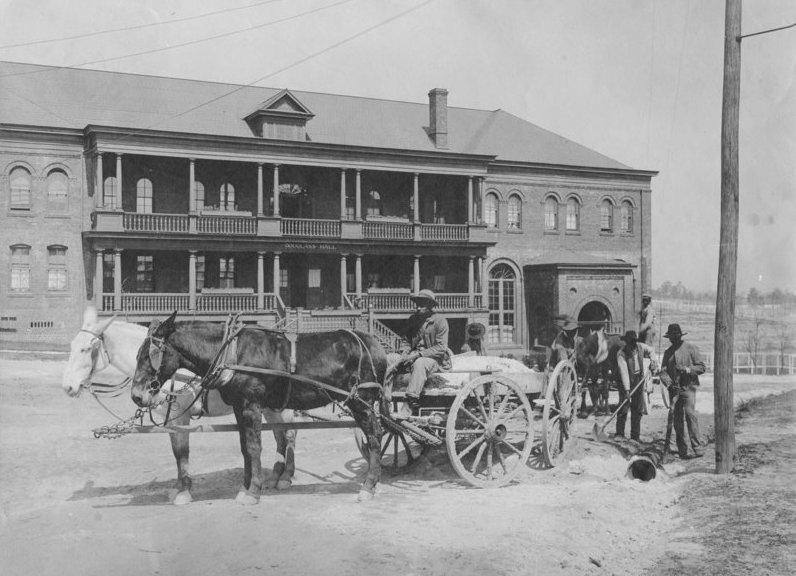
(167, 326)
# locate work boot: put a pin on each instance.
(698, 453)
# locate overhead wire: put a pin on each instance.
(183, 44)
(136, 26)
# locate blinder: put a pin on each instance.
(155, 353)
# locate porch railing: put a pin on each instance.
(136, 222)
(239, 225)
(387, 230)
(149, 302)
(226, 302)
(310, 227)
(168, 302)
(401, 302)
(444, 232)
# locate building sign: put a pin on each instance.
(316, 247)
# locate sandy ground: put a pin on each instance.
(72, 504)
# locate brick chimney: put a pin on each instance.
(438, 117)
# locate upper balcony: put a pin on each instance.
(178, 196)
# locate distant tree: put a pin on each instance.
(777, 297)
(753, 340)
(665, 289)
(782, 335)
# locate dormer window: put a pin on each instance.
(281, 117)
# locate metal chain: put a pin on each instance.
(119, 429)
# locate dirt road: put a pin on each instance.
(74, 505)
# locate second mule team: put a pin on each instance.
(350, 366)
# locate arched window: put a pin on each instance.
(551, 213)
(606, 216)
(626, 214)
(226, 198)
(573, 214)
(56, 268)
(502, 305)
(20, 189)
(109, 192)
(143, 196)
(491, 210)
(199, 196)
(226, 272)
(514, 221)
(20, 268)
(57, 190)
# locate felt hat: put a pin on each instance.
(674, 330)
(646, 297)
(424, 296)
(630, 337)
(565, 322)
(476, 330)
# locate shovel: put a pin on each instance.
(599, 431)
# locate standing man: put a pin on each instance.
(647, 328)
(428, 351)
(680, 369)
(630, 361)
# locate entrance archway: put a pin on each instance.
(593, 315)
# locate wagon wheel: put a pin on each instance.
(489, 433)
(399, 451)
(558, 416)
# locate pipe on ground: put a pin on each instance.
(644, 466)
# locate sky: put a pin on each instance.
(637, 80)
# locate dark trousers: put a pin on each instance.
(685, 410)
(636, 404)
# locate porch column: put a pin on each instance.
(469, 199)
(416, 197)
(416, 275)
(471, 281)
(358, 275)
(191, 186)
(98, 278)
(484, 284)
(276, 189)
(99, 188)
(358, 213)
(260, 199)
(342, 194)
(117, 279)
(343, 279)
(117, 199)
(192, 276)
(260, 281)
(481, 217)
(276, 274)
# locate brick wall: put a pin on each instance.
(41, 318)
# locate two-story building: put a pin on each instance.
(302, 210)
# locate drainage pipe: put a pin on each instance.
(644, 465)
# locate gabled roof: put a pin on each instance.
(74, 98)
(564, 258)
(283, 103)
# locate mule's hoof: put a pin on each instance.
(271, 483)
(182, 498)
(284, 484)
(247, 498)
(365, 495)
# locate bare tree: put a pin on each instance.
(783, 339)
(753, 339)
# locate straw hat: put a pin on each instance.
(476, 331)
(425, 296)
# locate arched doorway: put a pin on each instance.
(594, 315)
(502, 305)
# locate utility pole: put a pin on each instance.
(724, 423)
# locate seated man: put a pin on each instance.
(427, 351)
(564, 344)
(630, 362)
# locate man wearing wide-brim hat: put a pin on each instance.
(564, 343)
(680, 369)
(427, 351)
(630, 362)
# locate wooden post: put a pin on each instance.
(728, 244)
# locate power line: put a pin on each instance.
(767, 31)
(284, 68)
(189, 43)
(135, 27)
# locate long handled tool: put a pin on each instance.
(669, 424)
(599, 431)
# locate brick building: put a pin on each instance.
(145, 194)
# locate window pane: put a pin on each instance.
(143, 200)
(490, 206)
(109, 192)
(515, 208)
(200, 272)
(572, 214)
(606, 216)
(56, 279)
(144, 275)
(551, 214)
(627, 218)
(57, 189)
(20, 188)
(20, 279)
(199, 196)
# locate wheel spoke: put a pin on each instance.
(491, 399)
(514, 412)
(395, 451)
(473, 417)
(481, 407)
(386, 445)
(510, 445)
(478, 456)
(503, 404)
(489, 461)
(502, 459)
(409, 456)
(469, 448)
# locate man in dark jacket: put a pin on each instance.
(680, 369)
(428, 350)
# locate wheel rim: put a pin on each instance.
(558, 416)
(489, 432)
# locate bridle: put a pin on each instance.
(97, 347)
(156, 349)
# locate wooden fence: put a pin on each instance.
(767, 363)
